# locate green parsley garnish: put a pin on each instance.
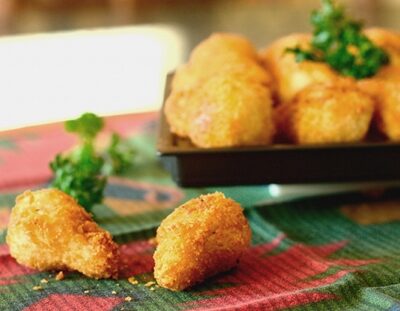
(119, 156)
(83, 173)
(87, 126)
(339, 41)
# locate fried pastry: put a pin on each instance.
(386, 94)
(290, 76)
(387, 40)
(210, 95)
(390, 73)
(48, 230)
(201, 238)
(231, 112)
(326, 113)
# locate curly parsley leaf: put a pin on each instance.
(339, 41)
(119, 156)
(83, 173)
(80, 176)
(87, 126)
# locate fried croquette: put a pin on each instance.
(221, 52)
(221, 97)
(231, 112)
(326, 113)
(48, 230)
(201, 238)
(189, 76)
(220, 45)
(178, 110)
(387, 112)
(290, 76)
(391, 73)
(387, 40)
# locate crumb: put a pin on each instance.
(60, 276)
(86, 291)
(152, 241)
(148, 284)
(37, 287)
(128, 298)
(44, 281)
(114, 292)
(133, 281)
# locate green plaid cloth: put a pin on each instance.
(328, 253)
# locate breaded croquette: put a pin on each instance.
(290, 76)
(48, 230)
(387, 112)
(221, 52)
(387, 40)
(201, 238)
(326, 113)
(221, 97)
(178, 110)
(231, 112)
(390, 73)
(220, 45)
(190, 76)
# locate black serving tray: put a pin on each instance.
(191, 166)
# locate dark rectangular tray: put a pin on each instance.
(191, 166)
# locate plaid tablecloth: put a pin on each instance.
(327, 253)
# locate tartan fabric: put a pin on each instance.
(328, 253)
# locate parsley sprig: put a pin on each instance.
(83, 173)
(339, 41)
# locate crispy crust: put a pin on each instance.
(289, 76)
(228, 64)
(386, 94)
(201, 238)
(327, 113)
(229, 111)
(387, 40)
(48, 230)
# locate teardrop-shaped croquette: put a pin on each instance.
(388, 40)
(48, 230)
(220, 53)
(326, 113)
(386, 94)
(218, 46)
(229, 111)
(290, 76)
(201, 238)
(228, 64)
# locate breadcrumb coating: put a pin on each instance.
(231, 112)
(230, 64)
(327, 113)
(228, 43)
(388, 40)
(290, 76)
(48, 230)
(391, 73)
(190, 76)
(386, 94)
(201, 238)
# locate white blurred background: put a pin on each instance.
(51, 77)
